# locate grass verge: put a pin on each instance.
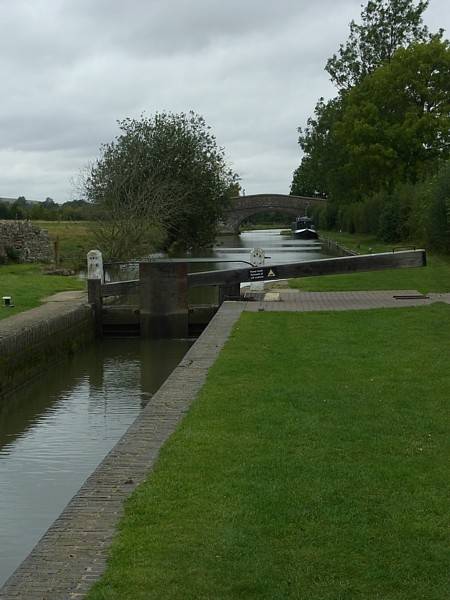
(435, 277)
(28, 286)
(313, 466)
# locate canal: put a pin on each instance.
(56, 431)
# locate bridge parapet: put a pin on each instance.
(247, 206)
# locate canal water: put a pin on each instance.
(278, 248)
(233, 251)
(56, 431)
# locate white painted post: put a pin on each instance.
(94, 283)
(95, 265)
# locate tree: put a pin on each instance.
(438, 230)
(395, 125)
(19, 208)
(305, 181)
(386, 26)
(76, 210)
(5, 212)
(164, 173)
(321, 153)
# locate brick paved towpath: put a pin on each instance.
(72, 554)
(295, 300)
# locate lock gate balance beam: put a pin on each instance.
(325, 266)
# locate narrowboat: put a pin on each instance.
(303, 228)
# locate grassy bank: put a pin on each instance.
(435, 277)
(28, 286)
(312, 466)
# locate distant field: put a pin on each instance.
(75, 240)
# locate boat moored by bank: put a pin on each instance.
(303, 228)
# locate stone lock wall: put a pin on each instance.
(36, 339)
(24, 242)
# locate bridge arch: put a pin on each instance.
(247, 206)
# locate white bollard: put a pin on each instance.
(95, 265)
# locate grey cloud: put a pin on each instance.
(71, 68)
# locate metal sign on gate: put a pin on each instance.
(262, 273)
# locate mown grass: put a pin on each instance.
(313, 466)
(28, 286)
(435, 277)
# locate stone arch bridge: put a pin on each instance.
(247, 206)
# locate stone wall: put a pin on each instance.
(24, 242)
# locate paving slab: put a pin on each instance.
(298, 301)
(272, 297)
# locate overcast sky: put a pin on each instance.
(253, 68)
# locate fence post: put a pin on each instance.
(163, 289)
(94, 284)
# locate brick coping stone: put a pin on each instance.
(72, 554)
(14, 326)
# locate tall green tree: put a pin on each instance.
(320, 152)
(305, 181)
(438, 226)
(386, 26)
(163, 173)
(395, 125)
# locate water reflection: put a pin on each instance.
(54, 433)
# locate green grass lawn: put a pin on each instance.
(435, 277)
(363, 243)
(312, 466)
(28, 286)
